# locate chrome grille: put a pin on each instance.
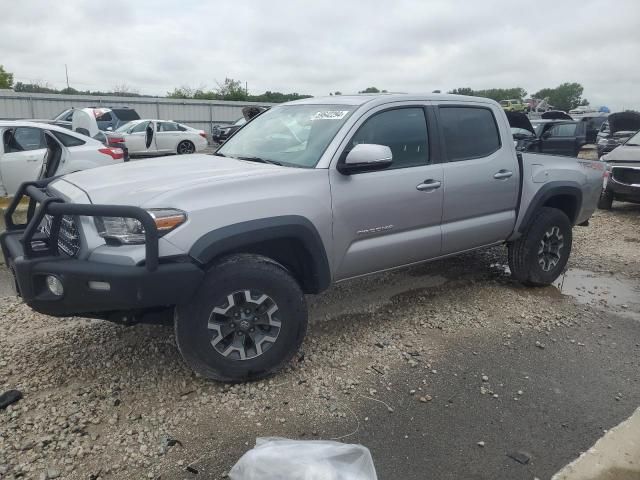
(69, 236)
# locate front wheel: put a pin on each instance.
(540, 255)
(186, 147)
(247, 319)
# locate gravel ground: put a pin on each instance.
(106, 401)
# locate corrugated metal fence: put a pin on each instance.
(203, 114)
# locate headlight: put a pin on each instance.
(131, 231)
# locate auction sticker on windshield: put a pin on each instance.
(330, 115)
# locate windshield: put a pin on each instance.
(634, 141)
(292, 135)
(504, 103)
(125, 126)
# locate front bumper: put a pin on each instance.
(89, 288)
(624, 192)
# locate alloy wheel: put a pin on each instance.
(549, 252)
(245, 326)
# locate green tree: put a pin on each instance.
(563, 97)
(370, 90)
(231, 89)
(496, 94)
(6, 78)
(463, 91)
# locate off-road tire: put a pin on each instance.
(524, 259)
(605, 202)
(238, 273)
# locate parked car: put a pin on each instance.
(622, 181)
(32, 151)
(582, 109)
(220, 134)
(63, 119)
(230, 244)
(618, 128)
(554, 137)
(153, 137)
(89, 121)
(513, 106)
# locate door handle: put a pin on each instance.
(32, 159)
(429, 185)
(502, 174)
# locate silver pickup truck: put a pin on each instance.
(307, 193)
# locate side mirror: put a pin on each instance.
(366, 157)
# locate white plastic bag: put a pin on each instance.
(283, 459)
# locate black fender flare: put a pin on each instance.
(232, 238)
(546, 192)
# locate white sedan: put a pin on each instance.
(154, 137)
(31, 151)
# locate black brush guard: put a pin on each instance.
(41, 204)
(134, 290)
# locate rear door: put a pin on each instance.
(168, 136)
(481, 176)
(560, 139)
(391, 217)
(24, 150)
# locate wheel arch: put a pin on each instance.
(565, 196)
(291, 240)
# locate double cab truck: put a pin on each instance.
(306, 194)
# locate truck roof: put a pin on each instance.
(381, 98)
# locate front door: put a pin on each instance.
(24, 150)
(141, 139)
(391, 217)
(481, 177)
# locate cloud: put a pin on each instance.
(321, 47)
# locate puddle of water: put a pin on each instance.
(603, 290)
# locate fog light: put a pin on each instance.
(102, 286)
(55, 285)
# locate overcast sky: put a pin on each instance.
(317, 47)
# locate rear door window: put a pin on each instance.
(168, 127)
(469, 132)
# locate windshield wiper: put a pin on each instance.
(259, 160)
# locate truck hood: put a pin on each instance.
(136, 183)
(624, 155)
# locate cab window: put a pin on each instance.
(403, 130)
(469, 132)
(563, 130)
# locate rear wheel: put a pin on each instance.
(186, 147)
(247, 320)
(606, 200)
(540, 255)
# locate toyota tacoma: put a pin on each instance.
(309, 193)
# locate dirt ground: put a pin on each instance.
(444, 370)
